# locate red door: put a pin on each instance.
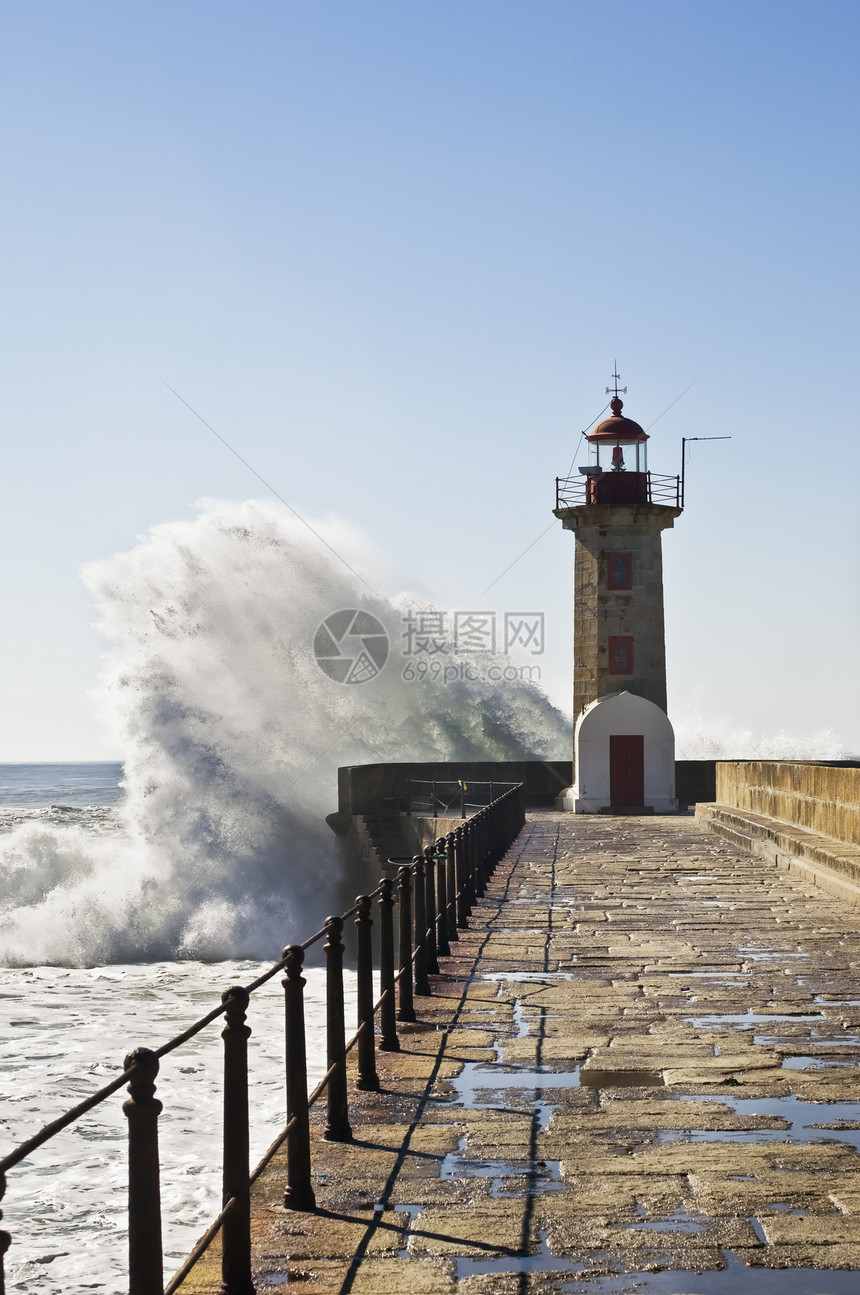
(626, 769)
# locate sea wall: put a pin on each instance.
(368, 788)
(824, 799)
(376, 788)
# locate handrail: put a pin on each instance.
(573, 492)
(460, 787)
(434, 893)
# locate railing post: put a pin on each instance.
(406, 1008)
(389, 1041)
(451, 887)
(142, 1109)
(433, 794)
(441, 924)
(430, 908)
(462, 871)
(479, 830)
(462, 799)
(5, 1239)
(299, 1194)
(368, 1080)
(422, 984)
(469, 850)
(337, 1128)
(236, 1228)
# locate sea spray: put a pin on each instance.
(231, 735)
(715, 737)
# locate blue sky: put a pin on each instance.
(390, 251)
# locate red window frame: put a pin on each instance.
(621, 648)
(627, 581)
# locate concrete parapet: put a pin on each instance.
(371, 788)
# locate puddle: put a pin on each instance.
(748, 1019)
(527, 1015)
(621, 1079)
(805, 1122)
(545, 1112)
(775, 1040)
(282, 1279)
(735, 1279)
(544, 1177)
(413, 1211)
(476, 1077)
(527, 976)
(815, 1063)
(764, 955)
(680, 1221)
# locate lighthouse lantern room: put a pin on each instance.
(617, 470)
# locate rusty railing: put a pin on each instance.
(434, 892)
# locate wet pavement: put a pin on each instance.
(638, 1072)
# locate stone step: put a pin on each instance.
(829, 864)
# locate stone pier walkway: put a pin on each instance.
(638, 1072)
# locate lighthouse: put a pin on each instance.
(624, 745)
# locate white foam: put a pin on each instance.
(231, 737)
(715, 737)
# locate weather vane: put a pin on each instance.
(616, 376)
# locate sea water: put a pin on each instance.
(65, 1032)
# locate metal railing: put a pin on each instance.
(436, 797)
(434, 892)
(572, 492)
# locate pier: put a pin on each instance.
(638, 1065)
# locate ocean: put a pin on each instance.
(64, 1032)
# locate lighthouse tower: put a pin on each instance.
(624, 748)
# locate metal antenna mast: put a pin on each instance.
(616, 377)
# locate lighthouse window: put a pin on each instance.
(621, 654)
(619, 570)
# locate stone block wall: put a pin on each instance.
(601, 612)
(822, 798)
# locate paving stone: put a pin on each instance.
(620, 934)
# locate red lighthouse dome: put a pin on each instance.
(617, 427)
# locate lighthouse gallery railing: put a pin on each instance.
(434, 894)
(572, 492)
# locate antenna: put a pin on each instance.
(684, 440)
(616, 377)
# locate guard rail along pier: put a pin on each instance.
(433, 895)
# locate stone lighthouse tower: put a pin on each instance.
(624, 749)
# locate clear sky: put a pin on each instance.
(390, 252)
